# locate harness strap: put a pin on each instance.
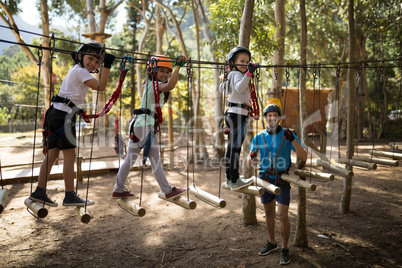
(72, 105)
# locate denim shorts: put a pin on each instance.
(283, 198)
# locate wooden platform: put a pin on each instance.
(98, 167)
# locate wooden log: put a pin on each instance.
(392, 155)
(299, 182)
(268, 186)
(255, 190)
(79, 160)
(380, 161)
(180, 201)
(3, 198)
(210, 198)
(35, 208)
(356, 163)
(131, 206)
(316, 175)
(334, 168)
(83, 214)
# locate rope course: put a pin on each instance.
(39, 211)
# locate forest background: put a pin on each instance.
(206, 31)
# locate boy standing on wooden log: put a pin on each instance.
(274, 145)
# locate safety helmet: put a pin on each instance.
(236, 50)
(160, 61)
(272, 108)
(92, 45)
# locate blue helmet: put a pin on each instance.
(272, 108)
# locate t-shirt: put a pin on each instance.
(148, 101)
(239, 91)
(269, 151)
(73, 88)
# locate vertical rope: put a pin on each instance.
(40, 55)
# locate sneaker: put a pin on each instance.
(125, 194)
(42, 199)
(176, 192)
(285, 256)
(240, 183)
(228, 183)
(75, 200)
(268, 248)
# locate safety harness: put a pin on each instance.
(146, 142)
(272, 171)
(53, 136)
(253, 111)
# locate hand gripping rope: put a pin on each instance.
(112, 100)
(155, 85)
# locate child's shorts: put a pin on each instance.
(283, 198)
(67, 139)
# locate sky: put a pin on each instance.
(30, 15)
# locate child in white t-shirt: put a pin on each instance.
(61, 116)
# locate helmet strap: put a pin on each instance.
(275, 130)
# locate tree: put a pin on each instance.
(301, 232)
(279, 53)
(350, 138)
(249, 206)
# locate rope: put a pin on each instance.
(40, 55)
(113, 98)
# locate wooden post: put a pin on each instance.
(299, 182)
(83, 214)
(379, 161)
(254, 190)
(268, 186)
(333, 168)
(356, 163)
(180, 201)
(130, 206)
(316, 175)
(79, 176)
(3, 198)
(219, 202)
(36, 209)
(392, 155)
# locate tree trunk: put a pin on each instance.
(219, 150)
(46, 59)
(249, 206)
(350, 137)
(159, 31)
(300, 239)
(279, 54)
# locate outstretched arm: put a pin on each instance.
(175, 75)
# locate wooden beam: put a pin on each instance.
(83, 214)
(131, 206)
(35, 208)
(334, 168)
(180, 201)
(255, 190)
(3, 198)
(299, 182)
(316, 175)
(268, 186)
(356, 163)
(209, 198)
(380, 161)
(392, 155)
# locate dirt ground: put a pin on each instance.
(171, 236)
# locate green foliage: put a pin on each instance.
(4, 116)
